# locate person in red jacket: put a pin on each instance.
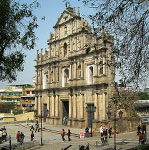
(140, 138)
(17, 136)
(63, 134)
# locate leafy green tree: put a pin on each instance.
(17, 25)
(6, 107)
(128, 22)
(143, 96)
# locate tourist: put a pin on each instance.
(87, 132)
(138, 129)
(32, 128)
(37, 126)
(4, 128)
(144, 128)
(140, 138)
(109, 132)
(18, 136)
(64, 120)
(4, 135)
(101, 130)
(32, 136)
(63, 135)
(68, 134)
(21, 138)
(1, 134)
(101, 134)
(106, 137)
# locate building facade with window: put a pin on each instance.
(28, 99)
(13, 93)
(75, 72)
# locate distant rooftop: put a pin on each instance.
(141, 103)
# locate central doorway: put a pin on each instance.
(90, 115)
(65, 105)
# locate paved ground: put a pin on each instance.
(52, 138)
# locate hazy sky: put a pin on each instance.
(51, 9)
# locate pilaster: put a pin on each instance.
(57, 105)
(81, 106)
(96, 105)
(70, 105)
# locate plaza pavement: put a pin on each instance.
(52, 138)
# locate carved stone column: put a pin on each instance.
(95, 66)
(56, 105)
(104, 64)
(48, 106)
(54, 75)
(104, 105)
(96, 105)
(70, 105)
(81, 106)
(82, 41)
(70, 71)
(100, 107)
(37, 77)
(75, 69)
(53, 105)
(49, 74)
(82, 68)
(75, 106)
(40, 76)
(36, 102)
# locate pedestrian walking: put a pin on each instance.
(144, 137)
(109, 132)
(1, 135)
(101, 130)
(144, 128)
(101, 134)
(32, 136)
(32, 128)
(63, 135)
(4, 135)
(138, 129)
(18, 136)
(37, 126)
(21, 138)
(68, 134)
(87, 132)
(106, 137)
(4, 128)
(64, 120)
(140, 138)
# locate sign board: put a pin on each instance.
(81, 135)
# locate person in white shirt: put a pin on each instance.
(101, 130)
(1, 135)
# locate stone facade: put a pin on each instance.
(76, 71)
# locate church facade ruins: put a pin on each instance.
(74, 73)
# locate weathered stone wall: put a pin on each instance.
(24, 117)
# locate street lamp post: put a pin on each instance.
(41, 127)
(91, 109)
(120, 116)
(10, 142)
(115, 130)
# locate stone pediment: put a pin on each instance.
(65, 16)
